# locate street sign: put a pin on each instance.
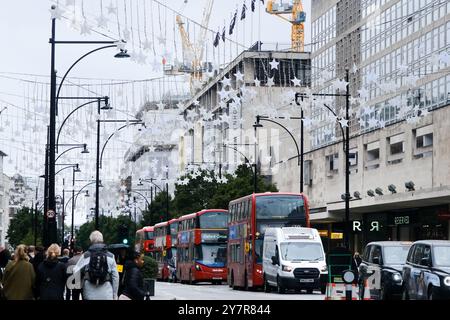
(50, 214)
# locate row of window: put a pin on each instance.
(235, 253)
(432, 95)
(395, 150)
(240, 211)
(417, 55)
(324, 29)
(393, 25)
(324, 66)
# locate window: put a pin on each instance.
(332, 162)
(424, 141)
(396, 148)
(353, 157)
(373, 154)
(376, 253)
(418, 253)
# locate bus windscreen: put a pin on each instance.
(213, 220)
(280, 207)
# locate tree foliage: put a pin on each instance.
(21, 228)
(109, 227)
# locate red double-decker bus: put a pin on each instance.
(165, 249)
(201, 247)
(247, 220)
(145, 241)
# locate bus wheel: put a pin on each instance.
(246, 287)
(266, 285)
(280, 288)
(232, 282)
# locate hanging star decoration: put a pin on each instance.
(239, 76)
(274, 64)
(372, 77)
(296, 82)
(85, 28)
(257, 82)
(270, 82)
(102, 21)
(147, 45)
(340, 85)
(162, 40)
(343, 122)
(56, 12)
(111, 9)
(226, 82)
(126, 34)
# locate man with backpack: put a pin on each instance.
(97, 271)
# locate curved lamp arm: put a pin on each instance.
(148, 203)
(79, 191)
(235, 149)
(73, 65)
(112, 134)
(69, 115)
(295, 141)
(64, 169)
(76, 147)
(151, 181)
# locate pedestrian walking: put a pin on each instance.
(65, 256)
(19, 277)
(51, 276)
(5, 257)
(98, 271)
(31, 253)
(39, 256)
(133, 281)
(73, 294)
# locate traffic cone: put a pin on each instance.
(366, 291)
(331, 291)
(328, 292)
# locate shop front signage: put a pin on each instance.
(357, 226)
(401, 220)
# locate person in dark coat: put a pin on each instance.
(51, 276)
(133, 280)
(5, 257)
(39, 256)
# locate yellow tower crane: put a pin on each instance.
(193, 52)
(297, 18)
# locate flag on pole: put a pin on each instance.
(223, 34)
(233, 22)
(216, 39)
(244, 9)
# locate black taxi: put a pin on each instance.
(381, 267)
(426, 274)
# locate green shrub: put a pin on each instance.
(150, 268)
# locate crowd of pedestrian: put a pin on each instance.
(36, 273)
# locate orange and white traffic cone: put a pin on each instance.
(366, 291)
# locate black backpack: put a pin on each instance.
(98, 267)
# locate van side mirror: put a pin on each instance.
(274, 260)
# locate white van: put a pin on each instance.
(293, 258)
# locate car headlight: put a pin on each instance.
(286, 268)
(396, 277)
(447, 281)
(324, 268)
(197, 267)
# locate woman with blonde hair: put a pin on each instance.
(51, 276)
(18, 278)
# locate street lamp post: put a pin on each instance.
(161, 190)
(100, 157)
(346, 147)
(50, 232)
(299, 153)
(247, 161)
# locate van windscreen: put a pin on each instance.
(301, 251)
